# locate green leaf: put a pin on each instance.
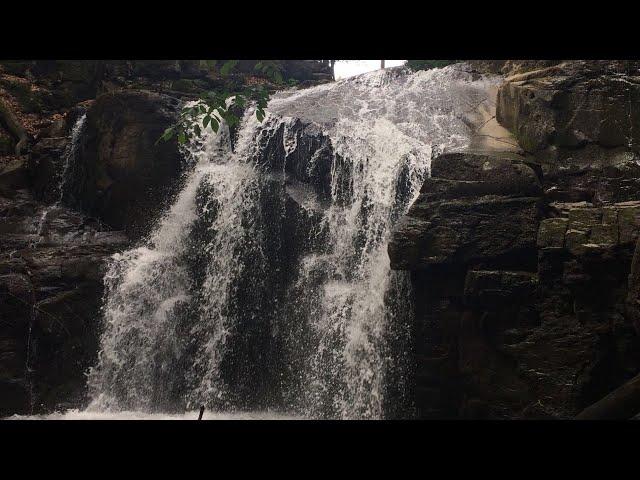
(166, 135)
(232, 120)
(182, 138)
(214, 125)
(205, 121)
(260, 115)
(228, 66)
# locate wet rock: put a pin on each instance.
(492, 289)
(17, 297)
(124, 175)
(65, 343)
(465, 231)
(14, 175)
(572, 104)
(16, 300)
(540, 331)
(300, 149)
(551, 233)
(585, 227)
(7, 144)
(45, 166)
(51, 270)
(579, 120)
(591, 174)
(474, 207)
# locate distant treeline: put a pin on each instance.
(428, 64)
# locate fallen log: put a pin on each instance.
(621, 404)
(9, 120)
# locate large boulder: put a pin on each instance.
(123, 174)
(520, 295)
(474, 207)
(300, 149)
(573, 104)
(580, 121)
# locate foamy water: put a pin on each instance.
(125, 415)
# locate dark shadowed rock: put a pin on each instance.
(302, 150)
(14, 175)
(45, 166)
(633, 296)
(525, 293)
(123, 174)
(493, 289)
(474, 207)
(52, 264)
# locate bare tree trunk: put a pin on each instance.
(382, 64)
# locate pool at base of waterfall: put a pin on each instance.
(129, 415)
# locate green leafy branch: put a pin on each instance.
(211, 109)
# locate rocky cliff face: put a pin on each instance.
(61, 218)
(524, 261)
(525, 293)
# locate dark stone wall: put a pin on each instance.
(521, 263)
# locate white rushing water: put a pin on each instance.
(137, 415)
(221, 307)
(63, 177)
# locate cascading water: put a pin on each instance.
(63, 176)
(267, 285)
(68, 159)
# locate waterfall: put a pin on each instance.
(63, 177)
(267, 285)
(68, 159)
